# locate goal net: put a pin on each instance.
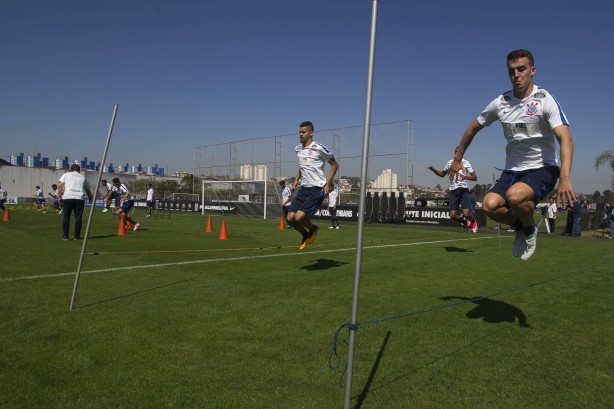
(245, 197)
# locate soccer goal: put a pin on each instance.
(247, 197)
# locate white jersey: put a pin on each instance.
(311, 160)
(150, 195)
(2, 194)
(286, 193)
(552, 210)
(75, 185)
(110, 187)
(332, 198)
(466, 170)
(527, 126)
(122, 189)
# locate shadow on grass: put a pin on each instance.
(458, 249)
(134, 293)
(323, 264)
(365, 390)
(492, 311)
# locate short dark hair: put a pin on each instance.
(116, 180)
(54, 186)
(307, 124)
(74, 167)
(516, 54)
(282, 182)
(104, 181)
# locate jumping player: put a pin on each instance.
(312, 156)
(459, 195)
(126, 202)
(531, 119)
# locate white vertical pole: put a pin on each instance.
(89, 218)
(361, 207)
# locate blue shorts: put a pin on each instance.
(459, 199)
(127, 206)
(332, 211)
(308, 200)
(541, 180)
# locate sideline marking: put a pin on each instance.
(213, 260)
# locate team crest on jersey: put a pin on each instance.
(532, 108)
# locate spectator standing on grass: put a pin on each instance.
(286, 199)
(577, 210)
(3, 198)
(72, 190)
(40, 200)
(532, 120)
(459, 194)
(126, 202)
(551, 214)
(333, 201)
(312, 156)
(151, 200)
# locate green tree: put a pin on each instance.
(605, 158)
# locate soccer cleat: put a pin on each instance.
(65, 238)
(311, 237)
(530, 245)
(60, 212)
(474, 226)
(303, 242)
(337, 227)
(136, 226)
(331, 227)
(105, 210)
(519, 242)
(467, 225)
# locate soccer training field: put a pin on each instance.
(170, 316)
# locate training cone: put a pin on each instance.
(281, 224)
(7, 216)
(129, 224)
(209, 228)
(121, 231)
(223, 233)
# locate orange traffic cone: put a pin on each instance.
(281, 224)
(223, 233)
(7, 216)
(121, 231)
(209, 228)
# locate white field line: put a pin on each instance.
(214, 260)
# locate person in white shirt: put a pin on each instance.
(126, 202)
(460, 198)
(532, 120)
(286, 199)
(312, 156)
(56, 200)
(333, 201)
(111, 194)
(72, 189)
(151, 200)
(39, 202)
(3, 198)
(552, 209)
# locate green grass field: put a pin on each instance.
(172, 317)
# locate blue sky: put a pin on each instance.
(194, 73)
